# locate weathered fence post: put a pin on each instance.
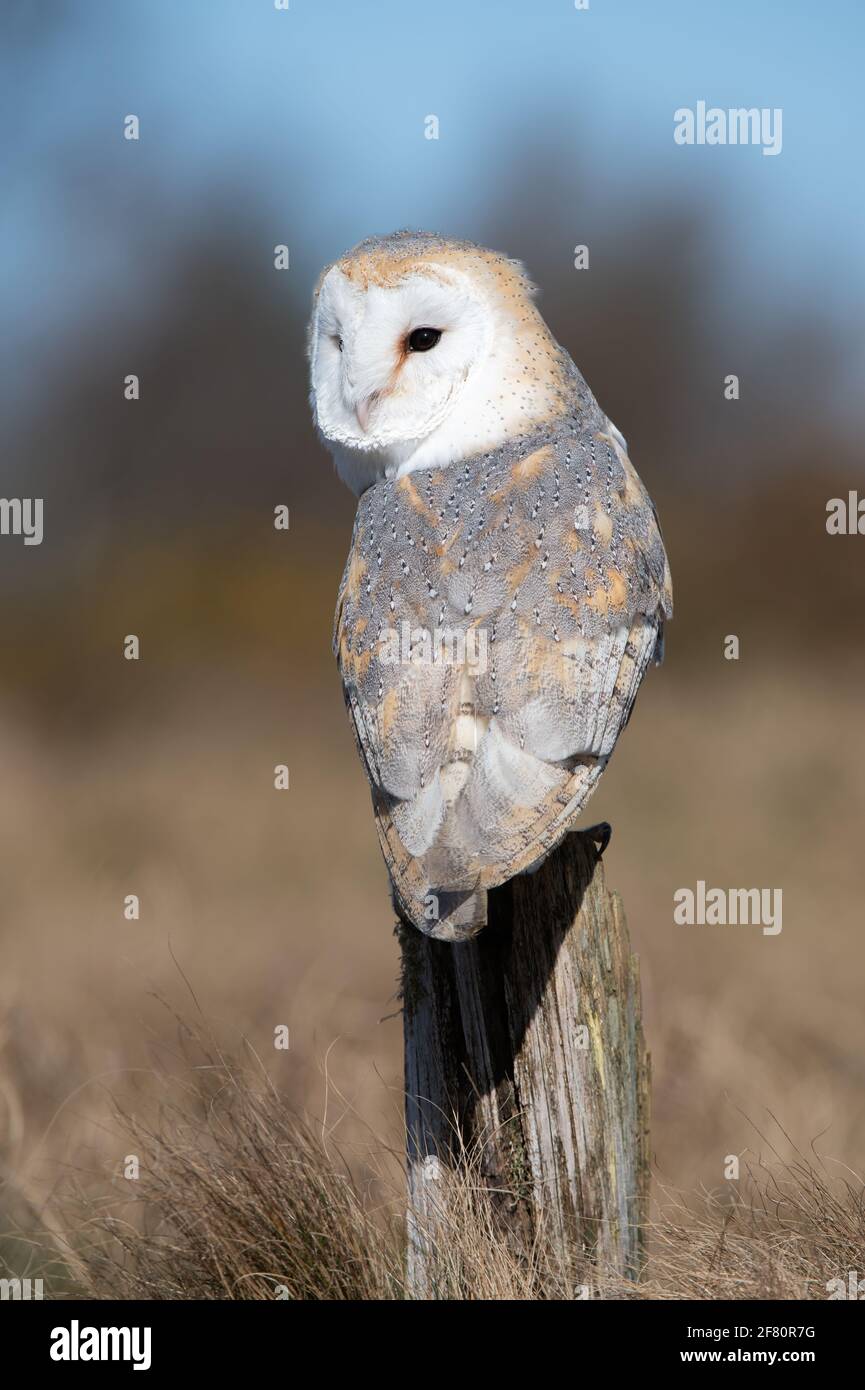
(524, 1047)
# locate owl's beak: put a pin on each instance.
(362, 410)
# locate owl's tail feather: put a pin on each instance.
(460, 915)
(446, 915)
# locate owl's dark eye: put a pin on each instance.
(422, 339)
(338, 340)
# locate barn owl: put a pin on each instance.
(507, 585)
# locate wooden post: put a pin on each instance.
(525, 1061)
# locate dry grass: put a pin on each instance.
(783, 1231)
(237, 1198)
(275, 907)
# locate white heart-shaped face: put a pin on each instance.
(380, 385)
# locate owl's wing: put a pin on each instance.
(494, 623)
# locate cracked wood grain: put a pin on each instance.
(525, 1063)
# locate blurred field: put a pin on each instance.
(238, 1199)
(272, 908)
(261, 908)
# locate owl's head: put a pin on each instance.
(423, 351)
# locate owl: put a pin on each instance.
(507, 584)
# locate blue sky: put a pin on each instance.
(315, 116)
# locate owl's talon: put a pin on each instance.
(601, 833)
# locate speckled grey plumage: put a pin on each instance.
(551, 547)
